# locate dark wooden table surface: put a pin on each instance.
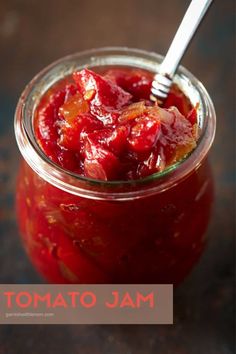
(33, 34)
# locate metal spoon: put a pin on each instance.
(163, 79)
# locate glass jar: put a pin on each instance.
(79, 230)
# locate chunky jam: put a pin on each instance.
(105, 127)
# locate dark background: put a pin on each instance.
(35, 33)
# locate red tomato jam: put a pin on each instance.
(106, 128)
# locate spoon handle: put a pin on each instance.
(186, 30)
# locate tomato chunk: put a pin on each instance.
(144, 134)
(105, 96)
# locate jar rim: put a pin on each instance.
(97, 189)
